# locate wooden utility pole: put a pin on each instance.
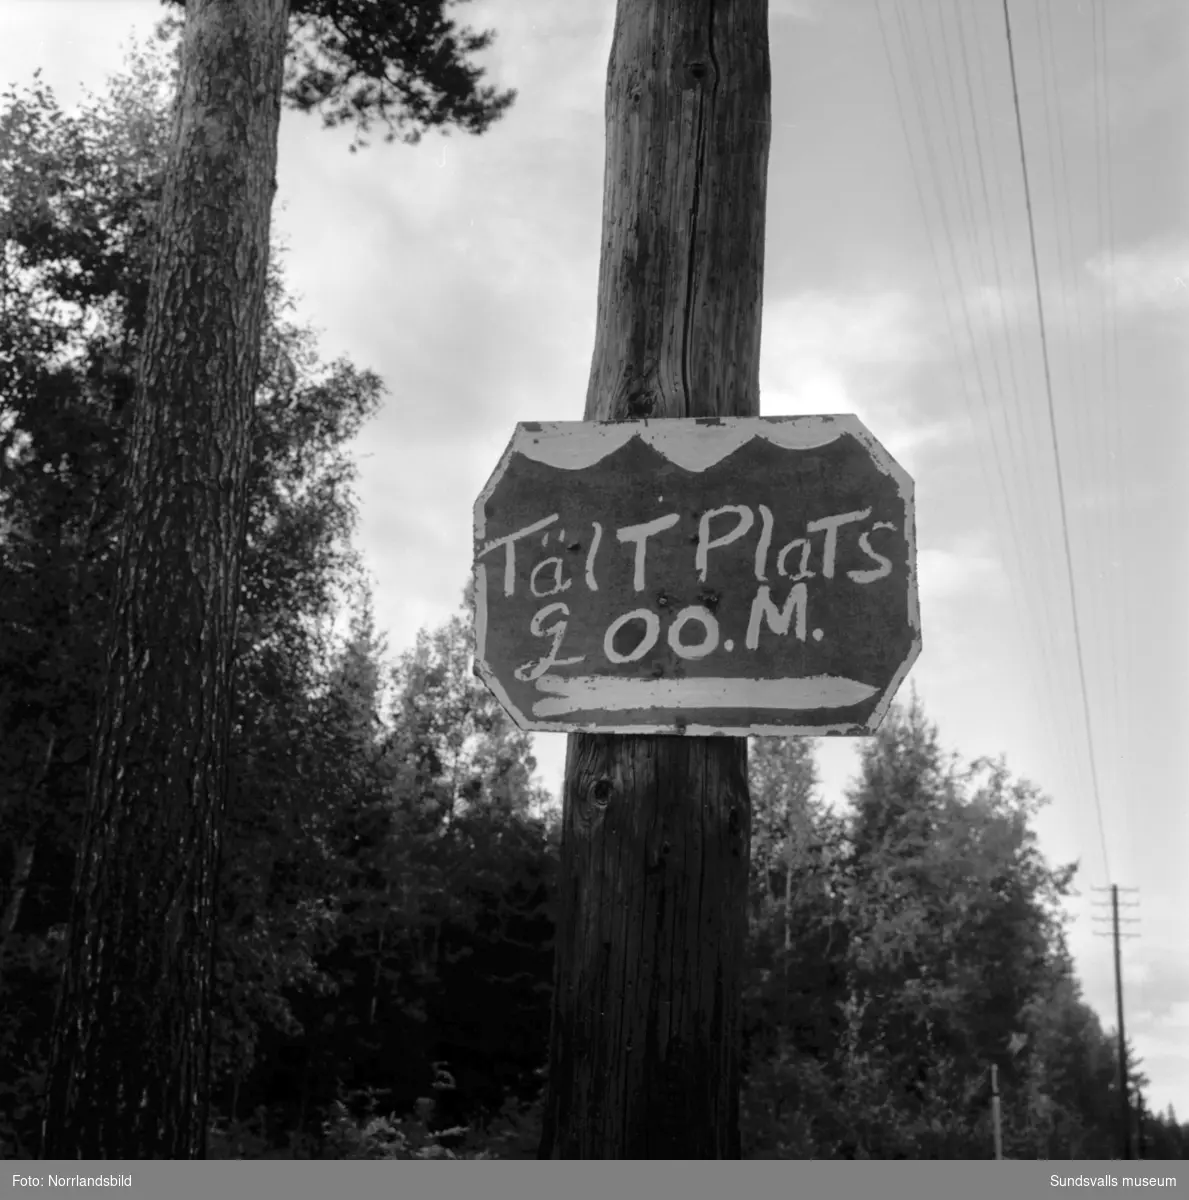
(645, 1046)
(1124, 1104)
(996, 1112)
(1124, 1091)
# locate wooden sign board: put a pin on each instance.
(704, 576)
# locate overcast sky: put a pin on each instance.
(898, 286)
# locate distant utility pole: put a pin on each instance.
(1124, 1099)
(996, 1112)
(645, 1046)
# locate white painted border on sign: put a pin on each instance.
(606, 693)
(695, 444)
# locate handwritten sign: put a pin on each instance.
(730, 576)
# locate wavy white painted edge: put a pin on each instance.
(694, 443)
(690, 443)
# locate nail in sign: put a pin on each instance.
(725, 576)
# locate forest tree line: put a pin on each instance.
(387, 886)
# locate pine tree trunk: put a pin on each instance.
(22, 866)
(788, 902)
(645, 1044)
(129, 1073)
(21, 870)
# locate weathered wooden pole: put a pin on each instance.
(645, 1047)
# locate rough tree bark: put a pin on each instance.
(22, 863)
(129, 1068)
(644, 1056)
(22, 868)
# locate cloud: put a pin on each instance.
(796, 10)
(68, 45)
(827, 353)
(808, 391)
(879, 328)
(995, 307)
(1133, 496)
(948, 575)
(1150, 278)
(541, 45)
(908, 443)
(1177, 1018)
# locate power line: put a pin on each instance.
(1062, 233)
(947, 59)
(916, 178)
(964, 212)
(1048, 56)
(1116, 431)
(1045, 638)
(1004, 493)
(1044, 348)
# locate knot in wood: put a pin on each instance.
(600, 792)
(735, 833)
(638, 404)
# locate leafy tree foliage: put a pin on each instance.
(930, 926)
(74, 198)
(139, 947)
(371, 842)
(797, 945)
(403, 63)
(78, 196)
